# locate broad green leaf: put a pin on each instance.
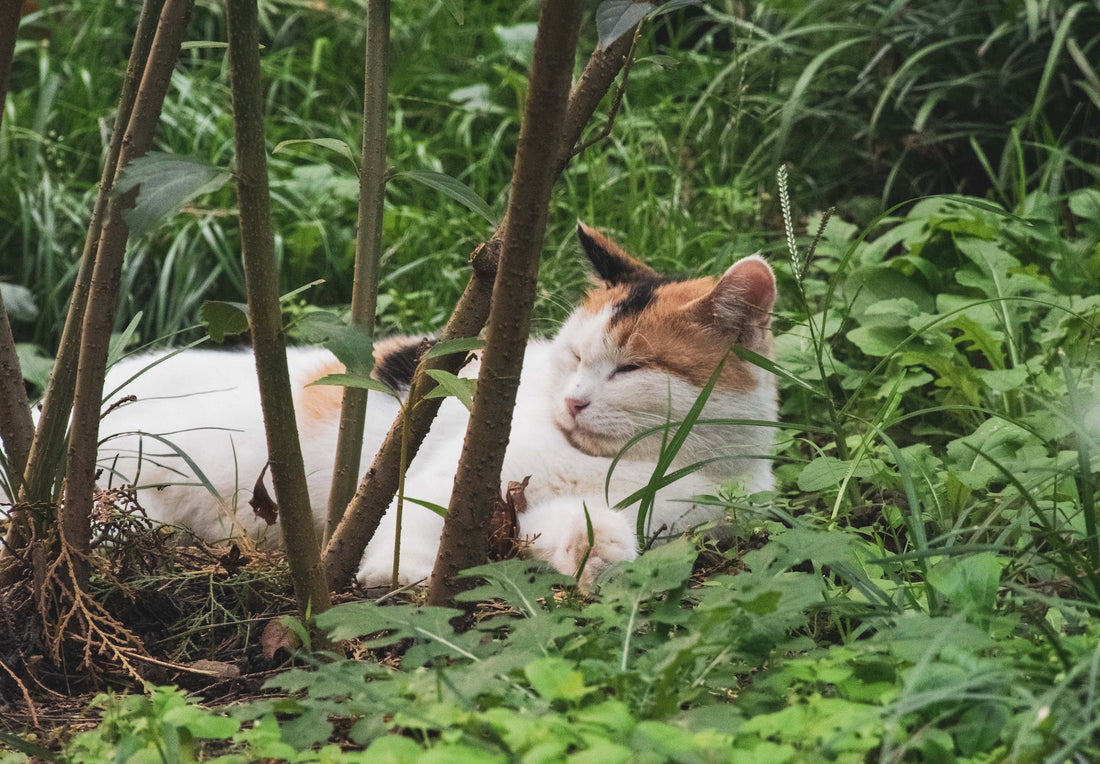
(202, 723)
(167, 182)
(361, 381)
(970, 581)
(453, 188)
(350, 343)
(828, 472)
(457, 345)
(980, 726)
(18, 302)
(556, 679)
(224, 319)
(526, 585)
(448, 384)
(615, 17)
(430, 626)
(985, 341)
(332, 144)
(518, 41)
(34, 364)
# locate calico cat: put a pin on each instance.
(634, 355)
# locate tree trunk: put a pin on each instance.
(99, 315)
(368, 252)
(16, 427)
(465, 540)
(48, 447)
(379, 485)
(265, 318)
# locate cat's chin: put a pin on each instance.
(590, 443)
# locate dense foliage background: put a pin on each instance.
(929, 582)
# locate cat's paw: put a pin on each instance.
(376, 568)
(560, 536)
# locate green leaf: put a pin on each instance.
(526, 585)
(18, 302)
(980, 726)
(969, 582)
(438, 509)
(167, 182)
(769, 365)
(828, 472)
(224, 319)
(453, 188)
(202, 723)
(615, 17)
(450, 385)
(34, 364)
(332, 144)
(430, 626)
(350, 343)
(556, 679)
(361, 381)
(457, 345)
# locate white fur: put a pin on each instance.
(207, 404)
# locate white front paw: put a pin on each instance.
(561, 536)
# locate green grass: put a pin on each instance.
(928, 591)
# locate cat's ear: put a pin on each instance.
(740, 304)
(612, 264)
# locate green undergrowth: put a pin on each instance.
(927, 591)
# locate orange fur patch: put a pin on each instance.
(672, 334)
(318, 404)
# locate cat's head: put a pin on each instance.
(641, 346)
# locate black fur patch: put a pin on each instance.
(609, 265)
(395, 367)
(639, 297)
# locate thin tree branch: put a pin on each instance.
(16, 427)
(74, 514)
(465, 540)
(368, 253)
(264, 314)
(377, 489)
(49, 440)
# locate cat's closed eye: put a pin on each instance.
(625, 368)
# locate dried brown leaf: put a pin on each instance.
(261, 502)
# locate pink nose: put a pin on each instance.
(575, 406)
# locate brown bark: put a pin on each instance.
(345, 548)
(368, 253)
(465, 540)
(265, 316)
(74, 514)
(49, 441)
(16, 427)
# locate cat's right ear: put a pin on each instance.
(610, 261)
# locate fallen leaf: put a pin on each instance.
(233, 560)
(504, 525)
(277, 637)
(261, 502)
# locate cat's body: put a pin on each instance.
(634, 355)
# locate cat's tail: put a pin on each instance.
(395, 359)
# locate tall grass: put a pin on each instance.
(867, 101)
